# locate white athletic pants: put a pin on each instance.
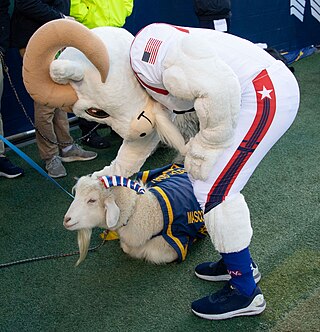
(268, 107)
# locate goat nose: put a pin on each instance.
(66, 219)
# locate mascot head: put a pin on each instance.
(93, 79)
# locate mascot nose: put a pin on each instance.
(142, 125)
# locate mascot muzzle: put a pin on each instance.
(143, 125)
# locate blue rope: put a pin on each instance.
(33, 164)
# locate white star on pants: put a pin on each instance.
(265, 93)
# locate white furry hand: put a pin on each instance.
(62, 71)
(200, 158)
(103, 172)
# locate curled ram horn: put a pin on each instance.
(41, 50)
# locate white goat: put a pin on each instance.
(138, 220)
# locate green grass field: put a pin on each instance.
(110, 291)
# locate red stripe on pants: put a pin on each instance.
(266, 108)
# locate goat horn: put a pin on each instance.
(41, 50)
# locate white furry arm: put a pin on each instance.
(131, 156)
(198, 74)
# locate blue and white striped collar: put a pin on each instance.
(120, 181)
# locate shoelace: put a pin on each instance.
(219, 266)
(222, 295)
(54, 162)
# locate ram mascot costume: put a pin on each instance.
(245, 101)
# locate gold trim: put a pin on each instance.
(170, 213)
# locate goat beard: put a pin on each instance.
(84, 236)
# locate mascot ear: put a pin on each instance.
(112, 212)
(143, 124)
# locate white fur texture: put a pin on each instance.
(65, 70)
(121, 96)
(229, 225)
(140, 219)
(194, 72)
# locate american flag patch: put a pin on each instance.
(151, 50)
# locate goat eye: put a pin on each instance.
(96, 113)
(91, 200)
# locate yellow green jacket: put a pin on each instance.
(98, 13)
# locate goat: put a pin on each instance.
(143, 222)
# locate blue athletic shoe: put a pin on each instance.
(229, 302)
(9, 170)
(217, 271)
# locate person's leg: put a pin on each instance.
(2, 149)
(7, 169)
(45, 134)
(219, 25)
(69, 151)
(47, 139)
(264, 120)
(229, 228)
(228, 20)
(206, 24)
(86, 126)
(61, 128)
(90, 134)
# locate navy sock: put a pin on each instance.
(240, 269)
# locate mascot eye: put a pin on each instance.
(92, 200)
(96, 113)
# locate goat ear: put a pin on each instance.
(112, 212)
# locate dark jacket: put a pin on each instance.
(29, 15)
(212, 9)
(4, 25)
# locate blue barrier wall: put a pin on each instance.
(260, 21)
(282, 24)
